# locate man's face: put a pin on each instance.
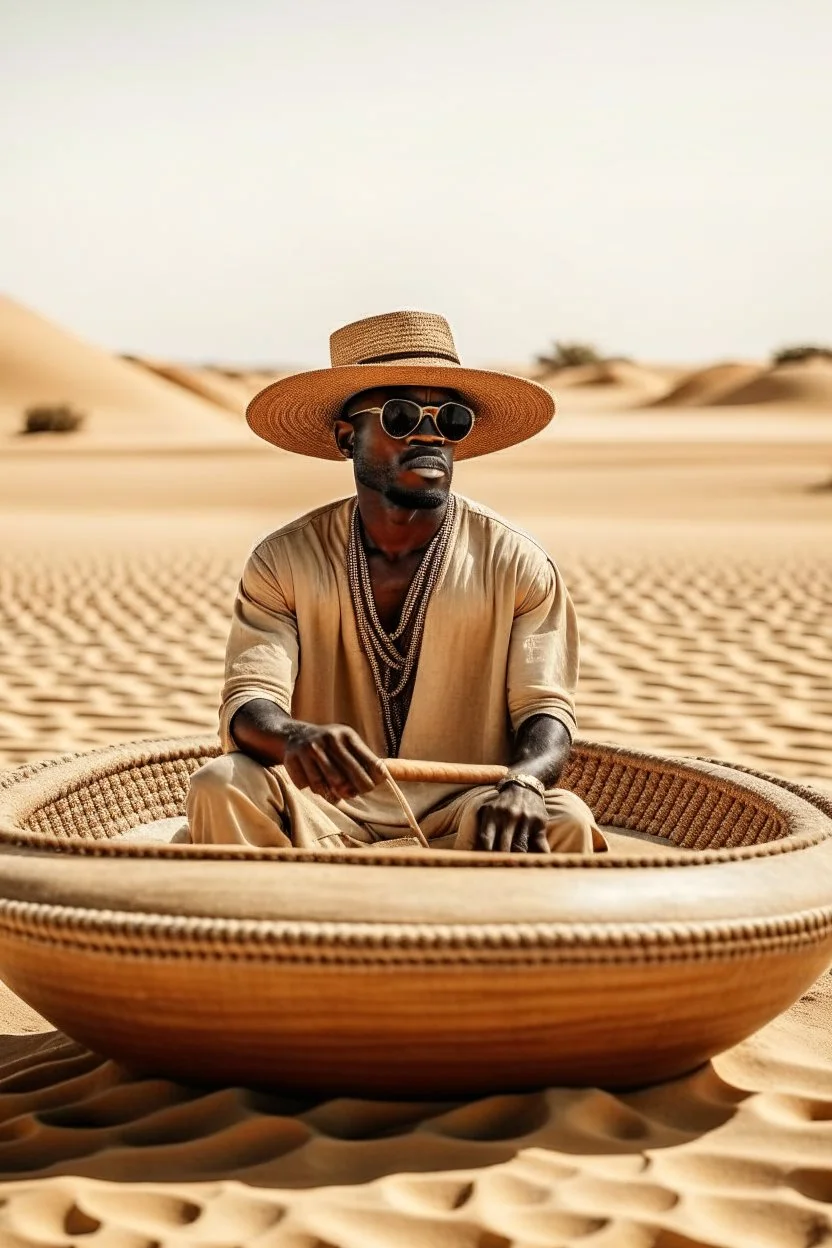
(389, 465)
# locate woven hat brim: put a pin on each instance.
(297, 413)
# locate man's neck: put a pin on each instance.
(396, 532)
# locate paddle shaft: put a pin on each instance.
(412, 769)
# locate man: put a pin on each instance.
(404, 621)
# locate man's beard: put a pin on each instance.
(382, 479)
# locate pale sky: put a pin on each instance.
(207, 180)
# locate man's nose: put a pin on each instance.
(427, 430)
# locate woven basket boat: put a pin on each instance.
(413, 973)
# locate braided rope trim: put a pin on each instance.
(14, 775)
(372, 857)
(816, 797)
(125, 933)
(378, 857)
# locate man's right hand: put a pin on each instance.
(331, 760)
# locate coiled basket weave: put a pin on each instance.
(413, 973)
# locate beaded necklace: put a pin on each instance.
(393, 656)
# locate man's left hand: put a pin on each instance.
(513, 822)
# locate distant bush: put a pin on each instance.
(569, 354)
(796, 355)
(52, 418)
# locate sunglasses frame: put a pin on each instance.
(429, 409)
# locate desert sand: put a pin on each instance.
(122, 402)
(705, 386)
(606, 386)
(698, 552)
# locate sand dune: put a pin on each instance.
(671, 373)
(229, 388)
(615, 385)
(805, 385)
(41, 363)
(609, 385)
(706, 386)
(605, 373)
(230, 393)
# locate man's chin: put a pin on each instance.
(426, 498)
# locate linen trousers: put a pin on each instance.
(235, 800)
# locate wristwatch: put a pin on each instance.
(523, 778)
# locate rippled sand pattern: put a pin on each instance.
(718, 656)
(737, 1154)
(95, 650)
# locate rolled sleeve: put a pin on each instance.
(543, 650)
(262, 654)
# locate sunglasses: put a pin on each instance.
(401, 417)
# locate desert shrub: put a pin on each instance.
(796, 355)
(568, 354)
(52, 418)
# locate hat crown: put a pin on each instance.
(392, 337)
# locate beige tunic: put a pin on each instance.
(500, 644)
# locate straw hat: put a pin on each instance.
(297, 413)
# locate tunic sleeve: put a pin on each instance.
(543, 650)
(261, 659)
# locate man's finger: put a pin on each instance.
(354, 769)
(318, 782)
(303, 772)
(539, 841)
(506, 835)
(520, 843)
(334, 776)
(367, 760)
(297, 772)
(488, 831)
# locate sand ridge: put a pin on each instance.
(707, 386)
(230, 389)
(804, 385)
(607, 385)
(226, 392)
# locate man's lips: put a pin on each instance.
(425, 461)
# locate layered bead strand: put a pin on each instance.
(392, 664)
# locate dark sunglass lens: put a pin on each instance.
(454, 421)
(399, 417)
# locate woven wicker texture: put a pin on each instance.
(298, 412)
(403, 335)
(695, 805)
